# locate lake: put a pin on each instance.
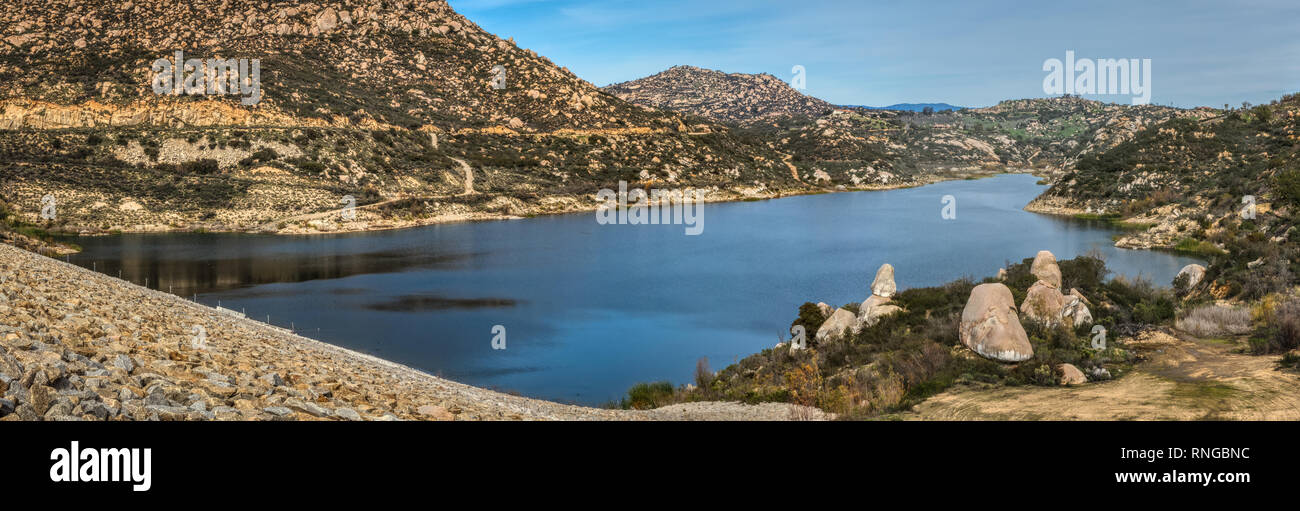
(588, 309)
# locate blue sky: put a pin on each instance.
(972, 53)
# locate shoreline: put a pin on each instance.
(732, 196)
(89, 346)
(517, 407)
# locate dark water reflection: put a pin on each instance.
(591, 309)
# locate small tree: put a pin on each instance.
(703, 375)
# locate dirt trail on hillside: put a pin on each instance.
(1181, 379)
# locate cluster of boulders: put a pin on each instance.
(990, 326)
(1045, 303)
(876, 306)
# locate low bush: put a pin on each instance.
(203, 166)
(644, 396)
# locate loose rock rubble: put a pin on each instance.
(78, 345)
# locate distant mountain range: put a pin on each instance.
(912, 107)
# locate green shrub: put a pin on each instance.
(203, 166)
(1281, 331)
(1193, 246)
(310, 166)
(644, 396)
(1286, 185)
(811, 317)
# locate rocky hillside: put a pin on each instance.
(1188, 184)
(1029, 325)
(723, 97)
(380, 63)
(379, 100)
(861, 147)
(418, 116)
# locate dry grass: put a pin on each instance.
(1215, 321)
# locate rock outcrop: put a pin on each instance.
(1071, 375)
(1075, 312)
(883, 285)
(990, 326)
(878, 304)
(835, 325)
(876, 307)
(1194, 273)
(1046, 269)
(1044, 301)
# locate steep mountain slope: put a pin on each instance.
(405, 64)
(379, 100)
(725, 97)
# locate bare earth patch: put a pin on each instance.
(1182, 379)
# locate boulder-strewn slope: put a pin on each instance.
(719, 96)
(862, 147)
(374, 99)
(404, 63)
(78, 345)
(1189, 184)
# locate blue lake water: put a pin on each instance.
(591, 309)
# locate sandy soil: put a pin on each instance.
(1182, 378)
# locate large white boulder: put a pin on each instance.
(1046, 304)
(990, 326)
(873, 309)
(883, 285)
(835, 325)
(1194, 272)
(1046, 269)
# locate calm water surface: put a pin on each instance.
(591, 309)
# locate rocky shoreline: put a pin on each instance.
(367, 220)
(79, 345)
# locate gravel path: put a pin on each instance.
(79, 345)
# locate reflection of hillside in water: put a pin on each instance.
(186, 276)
